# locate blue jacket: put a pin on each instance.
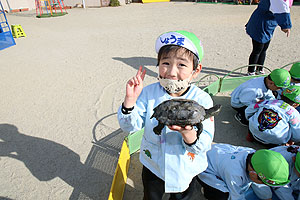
(166, 155)
(291, 190)
(227, 170)
(266, 17)
(249, 92)
(273, 122)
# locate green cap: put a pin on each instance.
(293, 93)
(297, 162)
(281, 77)
(295, 71)
(271, 167)
(184, 39)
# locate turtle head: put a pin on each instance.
(213, 111)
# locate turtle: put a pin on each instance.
(182, 112)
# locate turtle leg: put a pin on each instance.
(212, 111)
(157, 129)
(200, 129)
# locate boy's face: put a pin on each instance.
(294, 81)
(177, 66)
(271, 85)
(254, 177)
(295, 170)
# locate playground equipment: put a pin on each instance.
(132, 142)
(17, 31)
(50, 8)
(6, 38)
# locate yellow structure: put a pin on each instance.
(17, 31)
(120, 177)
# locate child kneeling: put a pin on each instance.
(276, 122)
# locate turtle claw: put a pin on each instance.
(157, 129)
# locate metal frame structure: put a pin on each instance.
(6, 38)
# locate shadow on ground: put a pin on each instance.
(136, 62)
(103, 156)
(47, 160)
(151, 63)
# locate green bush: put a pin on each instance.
(114, 3)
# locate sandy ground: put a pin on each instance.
(61, 85)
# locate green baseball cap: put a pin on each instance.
(297, 162)
(293, 93)
(271, 167)
(281, 77)
(184, 39)
(295, 71)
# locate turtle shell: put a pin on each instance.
(179, 112)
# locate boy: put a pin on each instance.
(257, 89)
(276, 122)
(295, 77)
(173, 159)
(232, 169)
(292, 189)
(295, 74)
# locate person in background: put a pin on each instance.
(275, 122)
(257, 89)
(295, 74)
(295, 77)
(291, 191)
(233, 169)
(261, 26)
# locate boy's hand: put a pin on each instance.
(134, 88)
(287, 31)
(189, 134)
(289, 143)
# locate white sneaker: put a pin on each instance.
(238, 118)
(250, 73)
(260, 72)
(202, 190)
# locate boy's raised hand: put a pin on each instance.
(134, 88)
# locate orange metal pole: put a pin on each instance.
(41, 7)
(49, 6)
(62, 1)
(36, 7)
(53, 4)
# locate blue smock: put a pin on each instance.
(167, 155)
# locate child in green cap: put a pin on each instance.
(233, 169)
(295, 77)
(292, 189)
(257, 89)
(295, 74)
(276, 122)
(172, 160)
